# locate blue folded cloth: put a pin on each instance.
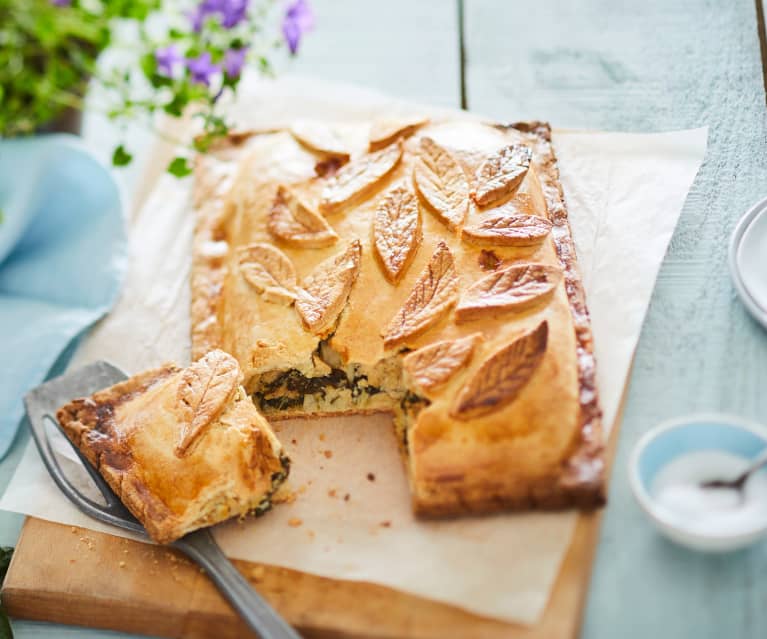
(63, 253)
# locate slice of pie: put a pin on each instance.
(420, 267)
(182, 448)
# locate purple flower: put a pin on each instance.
(201, 68)
(232, 12)
(298, 19)
(168, 60)
(234, 60)
(61, 3)
(203, 10)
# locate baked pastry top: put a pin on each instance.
(182, 448)
(421, 267)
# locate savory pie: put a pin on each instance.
(182, 448)
(420, 267)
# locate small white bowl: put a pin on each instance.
(694, 437)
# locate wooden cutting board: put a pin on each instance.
(75, 576)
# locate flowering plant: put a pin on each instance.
(184, 52)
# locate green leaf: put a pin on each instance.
(202, 143)
(2, 216)
(148, 64)
(121, 157)
(131, 9)
(5, 625)
(179, 167)
(6, 552)
(178, 103)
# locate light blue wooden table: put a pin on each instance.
(654, 65)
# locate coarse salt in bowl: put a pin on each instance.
(671, 461)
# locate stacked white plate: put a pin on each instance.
(748, 260)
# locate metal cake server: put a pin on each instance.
(42, 403)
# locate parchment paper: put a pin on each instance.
(350, 518)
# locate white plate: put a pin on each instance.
(748, 260)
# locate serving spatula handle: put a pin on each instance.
(252, 607)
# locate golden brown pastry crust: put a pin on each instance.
(579, 480)
(214, 173)
(131, 431)
(544, 449)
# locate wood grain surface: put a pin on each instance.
(98, 580)
(620, 65)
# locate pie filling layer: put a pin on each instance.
(330, 386)
(226, 507)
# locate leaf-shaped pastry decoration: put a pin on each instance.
(295, 224)
(509, 225)
(359, 177)
(396, 232)
(501, 377)
(514, 288)
(326, 290)
(320, 138)
(268, 270)
(432, 366)
(440, 180)
(384, 132)
(433, 294)
(501, 174)
(203, 392)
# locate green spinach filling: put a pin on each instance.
(277, 480)
(289, 388)
(340, 386)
